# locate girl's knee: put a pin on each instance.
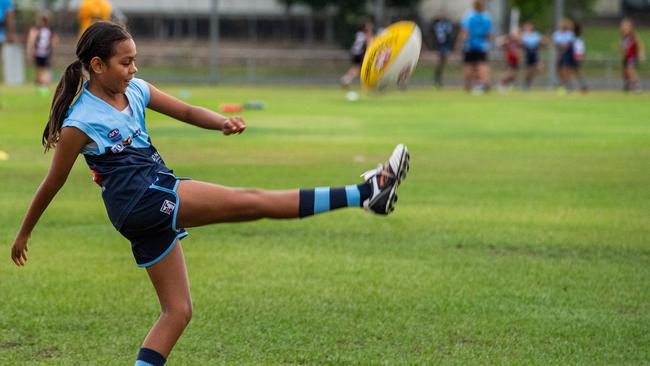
(251, 200)
(181, 313)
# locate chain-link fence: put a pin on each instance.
(296, 48)
(188, 61)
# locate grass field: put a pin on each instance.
(520, 237)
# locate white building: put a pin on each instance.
(187, 7)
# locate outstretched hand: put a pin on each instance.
(233, 125)
(19, 251)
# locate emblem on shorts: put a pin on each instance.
(168, 207)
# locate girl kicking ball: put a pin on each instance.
(103, 119)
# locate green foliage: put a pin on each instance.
(350, 14)
(542, 11)
(347, 20)
(402, 3)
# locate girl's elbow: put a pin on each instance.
(188, 114)
(54, 181)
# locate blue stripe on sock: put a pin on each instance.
(142, 363)
(353, 195)
(321, 200)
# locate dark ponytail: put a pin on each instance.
(66, 92)
(97, 41)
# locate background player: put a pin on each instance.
(443, 38)
(531, 41)
(91, 11)
(475, 37)
(563, 39)
(579, 51)
(41, 41)
(633, 52)
(511, 44)
(362, 39)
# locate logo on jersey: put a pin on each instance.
(168, 207)
(117, 148)
(120, 146)
(114, 135)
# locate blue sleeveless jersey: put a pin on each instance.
(478, 26)
(121, 157)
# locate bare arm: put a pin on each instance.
(642, 54)
(11, 26)
(65, 154)
(500, 41)
(31, 40)
(55, 41)
(461, 40)
(197, 116)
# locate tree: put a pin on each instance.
(541, 11)
(350, 14)
(402, 3)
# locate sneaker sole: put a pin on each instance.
(401, 175)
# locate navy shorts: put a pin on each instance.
(631, 62)
(357, 59)
(474, 56)
(151, 225)
(42, 61)
(567, 59)
(444, 50)
(532, 57)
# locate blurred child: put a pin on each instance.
(362, 39)
(40, 43)
(443, 36)
(633, 52)
(531, 40)
(7, 22)
(579, 51)
(563, 39)
(476, 31)
(91, 11)
(511, 44)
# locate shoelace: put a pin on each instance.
(379, 170)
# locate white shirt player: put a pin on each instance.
(359, 45)
(43, 44)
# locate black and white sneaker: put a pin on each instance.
(384, 181)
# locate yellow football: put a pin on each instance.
(391, 57)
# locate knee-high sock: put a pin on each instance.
(149, 357)
(323, 199)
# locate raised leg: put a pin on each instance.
(204, 203)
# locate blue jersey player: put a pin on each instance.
(476, 30)
(103, 119)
